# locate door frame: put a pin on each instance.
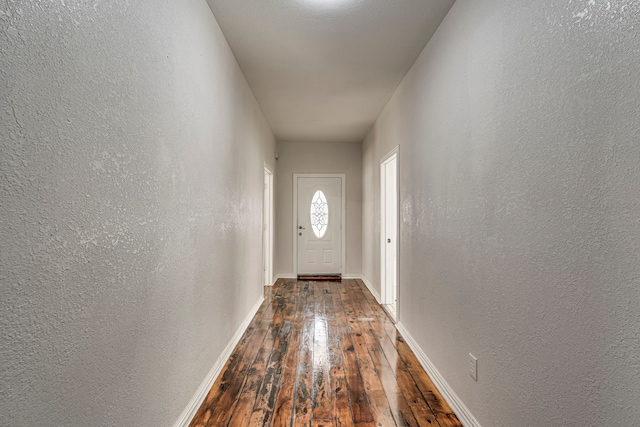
(384, 291)
(294, 225)
(267, 235)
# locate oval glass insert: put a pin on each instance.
(319, 214)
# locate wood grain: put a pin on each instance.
(323, 354)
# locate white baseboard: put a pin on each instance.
(369, 286)
(459, 408)
(285, 276)
(197, 399)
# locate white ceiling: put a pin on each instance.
(323, 70)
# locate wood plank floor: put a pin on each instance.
(323, 354)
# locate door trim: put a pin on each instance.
(295, 215)
(267, 242)
(384, 292)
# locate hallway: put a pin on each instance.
(134, 139)
(323, 353)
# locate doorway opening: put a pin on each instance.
(267, 227)
(389, 232)
(318, 224)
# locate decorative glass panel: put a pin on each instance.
(319, 214)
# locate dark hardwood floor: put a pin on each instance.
(323, 354)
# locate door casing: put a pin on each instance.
(267, 226)
(385, 291)
(294, 226)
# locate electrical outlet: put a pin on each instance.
(473, 367)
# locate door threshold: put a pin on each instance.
(321, 277)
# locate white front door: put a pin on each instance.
(319, 225)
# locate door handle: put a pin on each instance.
(299, 234)
(301, 228)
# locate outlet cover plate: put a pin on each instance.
(473, 367)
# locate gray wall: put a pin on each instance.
(518, 129)
(131, 170)
(318, 157)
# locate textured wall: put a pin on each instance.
(318, 157)
(131, 169)
(519, 133)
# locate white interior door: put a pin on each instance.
(389, 210)
(319, 225)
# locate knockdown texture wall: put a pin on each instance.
(318, 157)
(520, 208)
(131, 173)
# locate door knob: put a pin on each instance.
(299, 234)
(301, 228)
